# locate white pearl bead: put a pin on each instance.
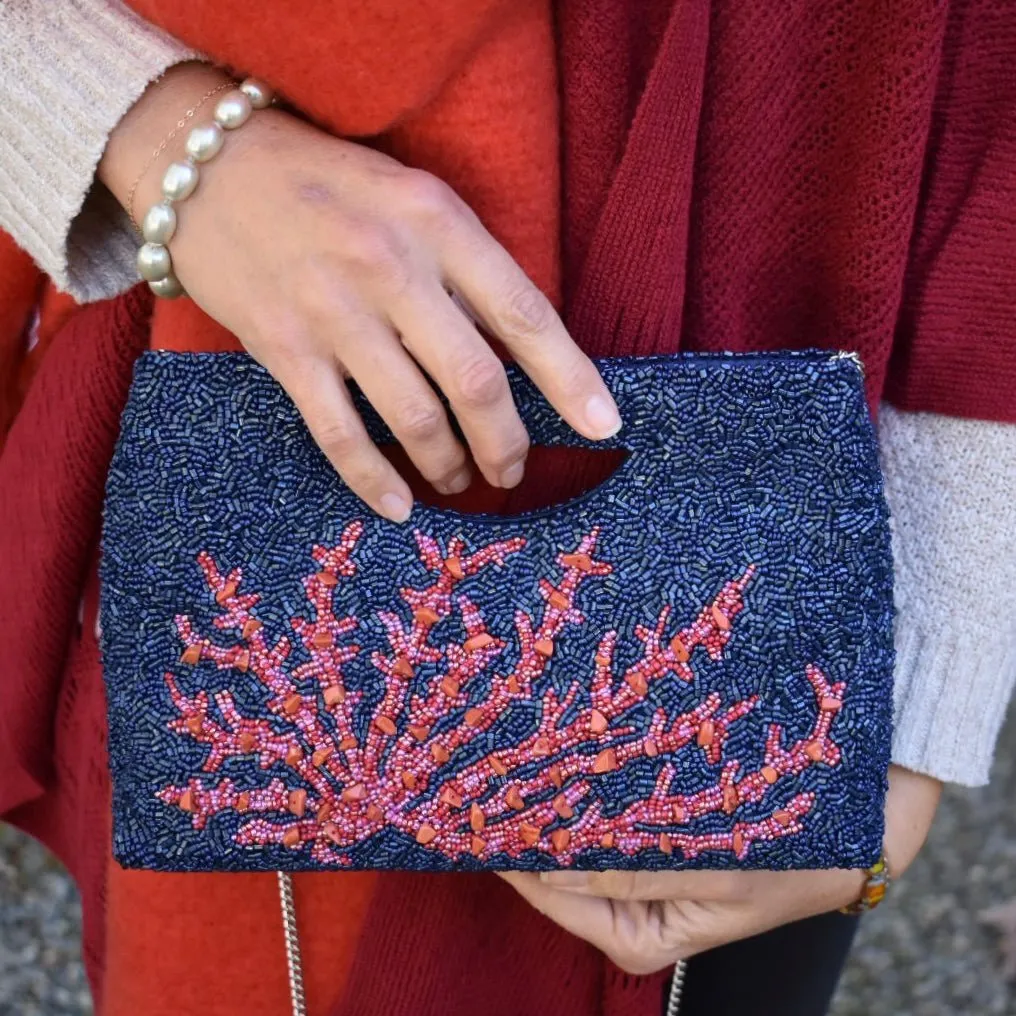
(233, 110)
(258, 92)
(154, 262)
(204, 142)
(159, 224)
(169, 288)
(179, 182)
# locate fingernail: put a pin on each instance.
(395, 507)
(565, 879)
(458, 483)
(602, 416)
(512, 475)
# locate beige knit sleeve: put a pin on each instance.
(951, 487)
(69, 71)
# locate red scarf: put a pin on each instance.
(735, 176)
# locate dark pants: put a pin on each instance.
(790, 971)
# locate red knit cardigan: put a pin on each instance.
(736, 176)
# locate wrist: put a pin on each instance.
(127, 164)
(202, 144)
(910, 810)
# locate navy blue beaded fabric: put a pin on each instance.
(689, 666)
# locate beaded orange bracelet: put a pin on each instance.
(875, 888)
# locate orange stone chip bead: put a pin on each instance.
(814, 751)
(426, 834)
(250, 626)
(562, 807)
(323, 639)
(403, 668)
(677, 648)
(529, 834)
(560, 838)
(720, 619)
(191, 655)
(477, 820)
(385, 724)
(638, 684)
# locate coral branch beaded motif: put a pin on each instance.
(348, 769)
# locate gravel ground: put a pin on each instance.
(41, 973)
(925, 953)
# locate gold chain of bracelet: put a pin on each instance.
(180, 124)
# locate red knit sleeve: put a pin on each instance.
(955, 346)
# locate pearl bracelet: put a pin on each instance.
(203, 143)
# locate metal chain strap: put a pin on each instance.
(676, 988)
(295, 964)
(289, 930)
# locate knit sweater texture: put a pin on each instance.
(951, 483)
(823, 245)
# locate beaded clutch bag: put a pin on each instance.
(688, 666)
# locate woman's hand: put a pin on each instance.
(647, 920)
(330, 260)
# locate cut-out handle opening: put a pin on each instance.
(555, 476)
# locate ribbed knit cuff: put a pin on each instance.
(951, 486)
(951, 694)
(70, 71)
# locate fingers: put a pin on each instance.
(726, 886)
(764, 894)
(499, 293)
(356, 277)
(581, 915)
(395, 387)
(645, 934)
(467, 370)
(324, 402)
(630, 934)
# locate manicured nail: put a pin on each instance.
(565, 879)
(602, 417)
(458, 483)
(395, 507)
(512, 475)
